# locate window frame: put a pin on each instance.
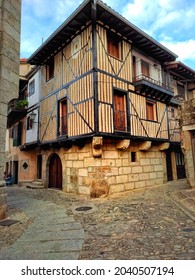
(31, 87)
(62, 103)
(114, 46)
(50, 69)
(122, 102)
(29, 123)
(151, 116)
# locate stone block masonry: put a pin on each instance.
(113, 172)
(10, 17)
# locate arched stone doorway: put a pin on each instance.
(55, 172)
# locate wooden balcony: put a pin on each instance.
(153, 83)
(16, 111)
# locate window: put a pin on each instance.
(17, 134)
(31, 89)
(63, 110)
(113, 44)
(29, 123)
(50, 69)
(120, 111)
(150, 110)
(133, 157)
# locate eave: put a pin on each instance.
(181, 71)
(101, 13)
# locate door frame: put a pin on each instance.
(57, 180)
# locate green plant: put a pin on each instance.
(22, 103)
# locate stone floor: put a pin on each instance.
(154, 223)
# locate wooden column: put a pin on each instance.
(95, 74)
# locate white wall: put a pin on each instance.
(32, 134)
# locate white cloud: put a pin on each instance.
(161, 14)
(185, 50)
(169, 21)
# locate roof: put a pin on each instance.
(181, 70)
(85, 14)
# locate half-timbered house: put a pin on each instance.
(106, 113)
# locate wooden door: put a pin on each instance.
(169, 166)
(39, 166)
(120, 113)
(180, 165)
(15, 172)
(55, 172)
(145, 68)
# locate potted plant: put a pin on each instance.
(22, 104)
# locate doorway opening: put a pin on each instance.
(39, 167)
(15, 172)
(55, 172)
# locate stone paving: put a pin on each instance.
(154, 223)
(49, 234)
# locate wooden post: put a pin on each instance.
(95, 74)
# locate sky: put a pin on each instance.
(170, 22)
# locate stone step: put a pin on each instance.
(37, 182)
(35, 185)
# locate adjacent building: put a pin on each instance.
(103, 108)
(10, 13)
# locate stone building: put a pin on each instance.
(187, 119)
(186, 95)
(10, 16)
(105, 116)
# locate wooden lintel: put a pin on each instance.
(164, 146)
(145, 145)
(123, 144)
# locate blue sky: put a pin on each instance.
(171, 22)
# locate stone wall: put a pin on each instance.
(187, 120)
(113, 171)
(188, 112)
(10, 14)
(189, 157)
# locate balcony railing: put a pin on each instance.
(145, 128)
(120, 120)
(17, 109)
(63, 129)
(17, 104)
(153, 75)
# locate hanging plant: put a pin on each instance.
(21, 104)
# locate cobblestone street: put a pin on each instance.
(142, 224)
